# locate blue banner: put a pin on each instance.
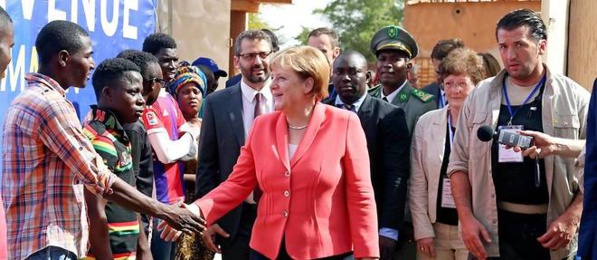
(113, 25)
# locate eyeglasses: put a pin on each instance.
(162, 82)
(252, 55)
(453, 85)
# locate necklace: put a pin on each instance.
(298, 127)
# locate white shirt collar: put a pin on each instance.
(357, 104)
(249, 93)
(392, 95)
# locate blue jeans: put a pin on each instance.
(160, 249)
(53, 253)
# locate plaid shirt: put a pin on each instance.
(46, 162)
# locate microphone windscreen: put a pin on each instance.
(485, 133)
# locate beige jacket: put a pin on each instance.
(564, 106)
(427, 152)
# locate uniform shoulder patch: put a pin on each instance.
(422, 95)
(375, 91)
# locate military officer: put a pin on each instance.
(394, 48)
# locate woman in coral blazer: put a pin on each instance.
(311, 163)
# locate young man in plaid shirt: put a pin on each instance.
(47, 161)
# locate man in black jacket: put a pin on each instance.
(388, 143)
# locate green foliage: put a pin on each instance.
(303, 37)
(356, 21)
(255, 22)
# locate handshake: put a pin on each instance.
(189, 221)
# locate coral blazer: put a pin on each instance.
(320, 202)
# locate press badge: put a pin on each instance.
(509, 155)
(447, 199)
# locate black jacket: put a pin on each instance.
(388, 144)
(222, 135)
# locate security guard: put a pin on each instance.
(394, 48)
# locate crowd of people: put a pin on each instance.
(302, 155)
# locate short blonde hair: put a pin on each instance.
(307, 62)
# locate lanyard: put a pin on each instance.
(442, 100)
(512, 114)
(450, 128)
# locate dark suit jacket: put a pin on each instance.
(233, 80)
(434, 90)
(388, 143)
(587, 238)
(222, 135)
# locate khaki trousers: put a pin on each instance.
(448, 244)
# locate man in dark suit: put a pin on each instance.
(227, 119)
(388, 143)
(275, 48)
(587, 238)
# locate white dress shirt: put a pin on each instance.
(248, 99)
(390, 97)
(357, 104)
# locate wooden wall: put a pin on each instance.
(238, 24)
(582, 42)
(473, 22)
(200, 28)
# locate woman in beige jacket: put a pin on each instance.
(433, 210)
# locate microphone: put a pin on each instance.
(486, 133)
(511, 138)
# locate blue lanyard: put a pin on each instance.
(512, 114)
(442, 100)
